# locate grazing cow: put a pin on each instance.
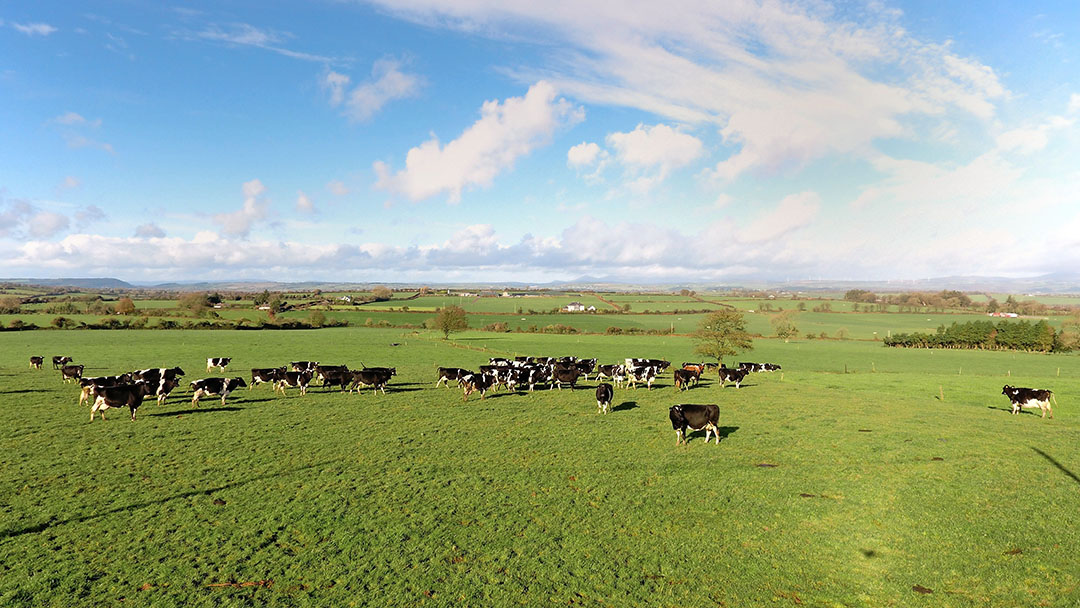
(162, 379)
(303, 366)
(696, 417)
(270, 375)
(446, 374)
(121, 395)
(564, 375)
(218, 362)
(641, 374)
(586, 367)
(214, 386)
(71, 372)
(604, 394)
(294, 379)
(615, 372)
(35, 362)
(758, 367)
(58, 361)
(709, 366)
(659, 364)
(88, 384)
(684, 378)
(728, 374)
(476, 383)
(1030, 398)
(376, 379)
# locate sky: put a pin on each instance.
(512, 140)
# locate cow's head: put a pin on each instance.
(1006, 390)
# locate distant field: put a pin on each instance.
(874, 485)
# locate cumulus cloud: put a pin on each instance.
(304, 202)
(90, 214)
(149, 230)
(794, 211)
(34, 29)
(583, 155)
(505, 132)
(337, 188)
(239, 222)
(388, 83)
(1074, 103)
(69, 183)
(784, 83)
(45, 224)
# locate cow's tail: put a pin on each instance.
(1053, 398)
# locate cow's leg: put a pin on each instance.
(708, 430)
(133, 414)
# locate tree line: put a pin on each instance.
(987, 335)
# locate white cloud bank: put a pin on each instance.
(505, 132)
(239, 223)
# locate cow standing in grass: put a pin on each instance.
(1029, 398)
(604, 395)
(696, 417)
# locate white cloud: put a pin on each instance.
(69, 183)
(149, 230)
(245, 34)
(505, 132)
(89, 215)
(74, 119)
(34, 29)
(45, 224)
(784, 83)
(583, 155)
(337, 188)
(387, 84)
(794, 211)
(239, 223)
(656, 146)
(1074, 103)
(304, 202)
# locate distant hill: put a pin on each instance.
(83, 283)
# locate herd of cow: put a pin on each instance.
(130, 389)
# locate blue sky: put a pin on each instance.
(423, 140)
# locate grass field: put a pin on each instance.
(416, 498)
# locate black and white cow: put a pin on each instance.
(162, 379)
(71, 372)
(260, 375)
(88, 384)
(375, 378)
(758, 367)
(322, 370)
(696, 417)
(58, 361)
(637, 375)
(218, 362)
(586, 367)
(476, 383)
(214, 386)
(446, 374)
(684, 378)
(1029, 398)
(659, 364)
(35, 362)
(604, 395)
(729, 374)
(303, 366)
(299, 380)
(122, 395)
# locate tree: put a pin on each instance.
(449, 319)
(722, 333)
(195, 302)
(317, 318)
(125, 306)
(382, 293)
(261, 298)
(784, 325)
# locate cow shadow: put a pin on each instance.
(1057, 464)
(52, 522)
(625, 406)
(193, 410)
(723, 431)
(1008, 410)
(398, 389)
(19, 391)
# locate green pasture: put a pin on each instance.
(828, 488)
